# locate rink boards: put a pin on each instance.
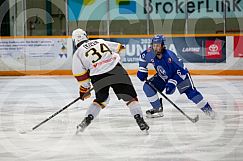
(41, 55)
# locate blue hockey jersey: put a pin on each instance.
(168, 67)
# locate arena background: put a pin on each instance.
(35, 35)
(35, 80)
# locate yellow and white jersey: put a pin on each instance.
(95, 57)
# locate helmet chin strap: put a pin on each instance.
(159, 54)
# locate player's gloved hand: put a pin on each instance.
(142, 75)
(170, 87)
(84, 92)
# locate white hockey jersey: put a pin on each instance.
(95, 57)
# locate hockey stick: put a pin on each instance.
(194, 120)
(53, 115)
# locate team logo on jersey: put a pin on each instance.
(104, 62)
(152, 61)
(169, 60)
(162, 73)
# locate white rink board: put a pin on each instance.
(55, 57)
(114, 135)
(35, 54)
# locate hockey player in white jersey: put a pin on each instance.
(97, 62)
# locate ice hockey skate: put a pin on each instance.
(209, 111)
(82, 126)
(154, 113)
(141, 123)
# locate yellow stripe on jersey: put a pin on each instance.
(84, 81)
(120, 47)
(82, 77)
(80, 74)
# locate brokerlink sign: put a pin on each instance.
(157, 9)
(170, 9)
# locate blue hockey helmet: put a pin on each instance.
(158, 39)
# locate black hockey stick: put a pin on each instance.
(194, 120)
(53, 115)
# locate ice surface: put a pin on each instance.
(114, 135)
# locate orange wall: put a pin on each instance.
(130, 72)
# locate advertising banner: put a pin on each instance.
(33, 53)
(213, 49)
(134, 46)
(87, 10)
(189, 49)
(238, 47)
(157, 9)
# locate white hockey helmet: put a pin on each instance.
(78, 36)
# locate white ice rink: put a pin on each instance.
(114, 135)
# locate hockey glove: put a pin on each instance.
(170, 86)
(142, 75)
(84, 93)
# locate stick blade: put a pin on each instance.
(24, 131)
(195, 119)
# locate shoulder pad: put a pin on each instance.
(148, 55)
(171, 53)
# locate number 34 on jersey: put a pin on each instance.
(98, 56)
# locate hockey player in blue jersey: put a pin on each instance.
(170, 74)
